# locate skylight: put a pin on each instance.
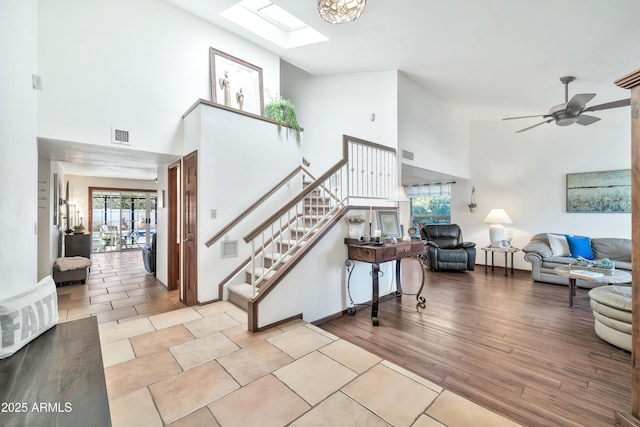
(272, 23)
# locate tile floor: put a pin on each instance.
(117, 288)
(167, 364)
(199, 366)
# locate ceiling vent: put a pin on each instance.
(119, 136)
(407, 155)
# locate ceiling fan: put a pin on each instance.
(570, 111)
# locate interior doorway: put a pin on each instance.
(190, 228)
(173, 229)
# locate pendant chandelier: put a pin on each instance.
(341, 11)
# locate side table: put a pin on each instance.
(505, 251)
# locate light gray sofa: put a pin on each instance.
(538, 252)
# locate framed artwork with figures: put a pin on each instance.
(236, 83)
(388, 223)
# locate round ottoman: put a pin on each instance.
(612, 311)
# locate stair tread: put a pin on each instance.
(292, 242)
(277, 255)
(244, 289)
(260, 271)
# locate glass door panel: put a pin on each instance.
(122, 220)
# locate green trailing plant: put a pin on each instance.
(282, 110)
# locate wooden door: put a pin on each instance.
(173, 234)
(190, 228)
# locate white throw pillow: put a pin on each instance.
(559, 245)
(25, 316)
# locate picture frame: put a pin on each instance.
(236, 83)
(599, 192)
(388, 223)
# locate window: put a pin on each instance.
(430, 210)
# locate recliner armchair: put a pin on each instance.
(149, 255)
(446, 249)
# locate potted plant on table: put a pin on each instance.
(282, 110)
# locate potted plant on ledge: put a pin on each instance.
(282, 110)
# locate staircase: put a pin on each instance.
(276, 256)
(366, 171)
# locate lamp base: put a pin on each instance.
(496, 235)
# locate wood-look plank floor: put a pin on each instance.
(506, 343)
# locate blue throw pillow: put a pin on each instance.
(580, 246)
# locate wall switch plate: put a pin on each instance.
(214, 213)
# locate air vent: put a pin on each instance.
(119, 136)
(407, 155)
(229, 248)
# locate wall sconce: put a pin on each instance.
(472, 203)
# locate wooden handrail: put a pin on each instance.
(258, 202)
(347, 138)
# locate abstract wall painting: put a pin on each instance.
(599, 192)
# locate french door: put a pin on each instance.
(122, 219)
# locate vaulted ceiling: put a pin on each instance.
(490, 57)
(487, 59)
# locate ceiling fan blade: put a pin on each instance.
(586, 120)
(524, 117)
(536, 125)
(579, 101)
(607, 105)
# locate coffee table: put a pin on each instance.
(618, 277)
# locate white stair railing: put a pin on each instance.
(291, 226)
(372, 169)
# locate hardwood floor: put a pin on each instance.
(506, 343)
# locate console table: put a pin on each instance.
(376, 255)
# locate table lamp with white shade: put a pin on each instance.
(496, 218)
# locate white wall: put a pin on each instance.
(430, 129)
(330, 106)
(18, 146)
(525, 174)
(134, 65)
(239, 159)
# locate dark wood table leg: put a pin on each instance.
(572, 291)
(398, 278)
(506, 265)
(512, 263)
(492, 265)
(375, 270)
(485, 262)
